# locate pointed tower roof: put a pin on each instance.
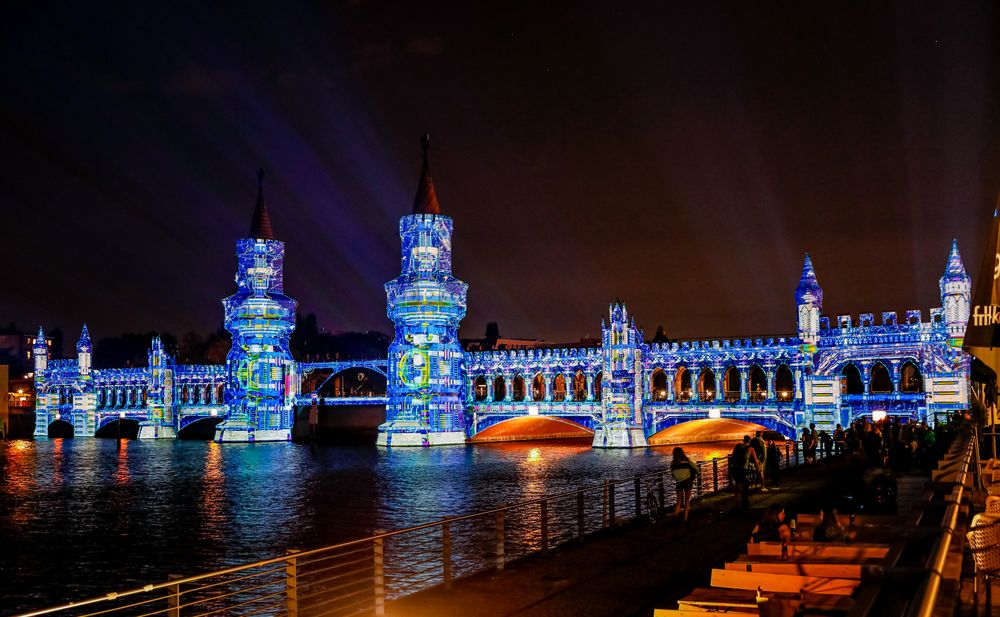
(426, 201)
(84, 343)
(808, 289)
(260, 226)
(40, 338)
(955, 269)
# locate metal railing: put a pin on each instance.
(359, 577)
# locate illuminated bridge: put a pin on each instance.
(624, 392)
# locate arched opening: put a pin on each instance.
(682, 385)
(731, 382)
(202, 429)
(658, 385)
(704, 430)
(518, 388)
(538, 388)
(499, 388)
(706, 385)
(598, 384)
(579, 387)
(559, 388)
(60, 429)
(479, 388)
(784, 383)
(757, 382)
(122, 428)
(880, 380)
(850, 380)
(910, 380)
(531, 428)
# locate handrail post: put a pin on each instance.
(715, 475)
(292, 584)
(174, 597)
(611, 503)
(446, 553)
(638, 497)
(579, 514)
(500, 539)
(379, 578)
(545, 525)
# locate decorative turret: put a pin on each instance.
(425, 303)
(40, 352)
(621, 395)
(261, 318)
(84, 352)
(809, 302)
(956, 294)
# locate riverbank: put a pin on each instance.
(630, 571)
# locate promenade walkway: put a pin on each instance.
(631, 570)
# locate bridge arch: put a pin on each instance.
(579, 388)
(682, 384)
(559, 387)
(757, 384)
(704, 430)
(499, 388)
(658, 385)
(880, 380)
(517, 388)
(115, 427)
(200, 428)
(851, 382)
(706, 385)
(60, 429)
(479, 388)
(538, 388)
(532, 428)
(910, 379)
(731, 383)
(784, 383)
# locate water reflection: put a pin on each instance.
(86, 518)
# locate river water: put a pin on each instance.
(81, 517)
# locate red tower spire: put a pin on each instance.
(426, 201)
(260, 226)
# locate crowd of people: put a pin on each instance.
(756, 461)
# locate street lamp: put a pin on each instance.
(121, 418)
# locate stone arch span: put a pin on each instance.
(199, 428)
(532, 428)
(114, 427)
(705, 430)
(60, 428)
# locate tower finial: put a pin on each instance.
(426, 200)
(260, 226)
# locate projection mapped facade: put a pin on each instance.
(624, 390)
(252, 396)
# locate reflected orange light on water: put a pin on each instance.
(211, 506)
(122, 476)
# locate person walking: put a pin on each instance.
(684, 472)
(742, 457)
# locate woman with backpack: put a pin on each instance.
(684, 472)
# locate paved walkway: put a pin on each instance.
(632, 570)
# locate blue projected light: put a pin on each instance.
(625, 390)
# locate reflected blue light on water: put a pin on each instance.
(84, 517)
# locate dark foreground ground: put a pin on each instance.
(633, 570)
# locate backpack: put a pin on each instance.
(682, 473)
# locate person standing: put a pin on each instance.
(839, 438)
(759, 448)
(684, 472)
(772, 465)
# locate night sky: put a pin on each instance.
(680, 157)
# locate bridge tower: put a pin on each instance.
(809, 302)
(159, 393)
(259, 366)
(621, 392)
(956, 292)
(425, 303)
(84, 353)
(40, 356)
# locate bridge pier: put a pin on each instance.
(610, 436)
